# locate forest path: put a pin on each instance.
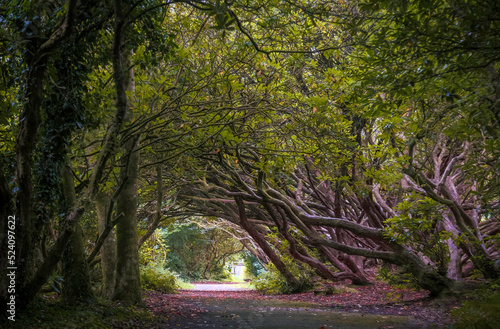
(246, 310)
(220, 286)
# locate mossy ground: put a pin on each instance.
(480, 308)
(49, 313)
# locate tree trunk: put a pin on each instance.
(455, 264)
(31, 288)
(454, 271)
(76, 287)
(7, 227)
(299, 253)
(29, 122)
(472, 244)
(159, 200)
(128, 282)
(427, 278)
(108, 249)
(37, 55)
(358, 278)
(280, 266)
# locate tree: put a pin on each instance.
(36, 26)
(338, 127)
(436, 96)
(197, 251)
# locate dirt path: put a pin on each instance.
(225, 307)
(272, 314)
(219, 287)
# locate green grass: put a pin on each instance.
(233, 278)
(184, 285)
(243, 285)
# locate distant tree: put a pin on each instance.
(199, 253)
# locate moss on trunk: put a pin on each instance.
(108, 249)
(76, 286)
(128, 283)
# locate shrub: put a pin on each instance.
(272, 282)
(401, 278)
(159, 279)
(417, 227)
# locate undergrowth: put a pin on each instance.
(50, 314)
(482, 312)
(272, 282)
(158, 279)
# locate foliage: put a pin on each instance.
(323, 103)
(152, 251)
(197, 253)
(400, 279)
(252, 264)
(56, 282)
(184, 285)
(431, 67)
(159, 279)
(419, 225)
(271, 282)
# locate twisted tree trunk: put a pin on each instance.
(262, 243)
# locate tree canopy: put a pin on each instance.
(330, 135)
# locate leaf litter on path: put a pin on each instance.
(376, 306)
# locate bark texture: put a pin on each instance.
(261, 241)
(76, 286)
(108, 249)
(159, 200)
(128, 284)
